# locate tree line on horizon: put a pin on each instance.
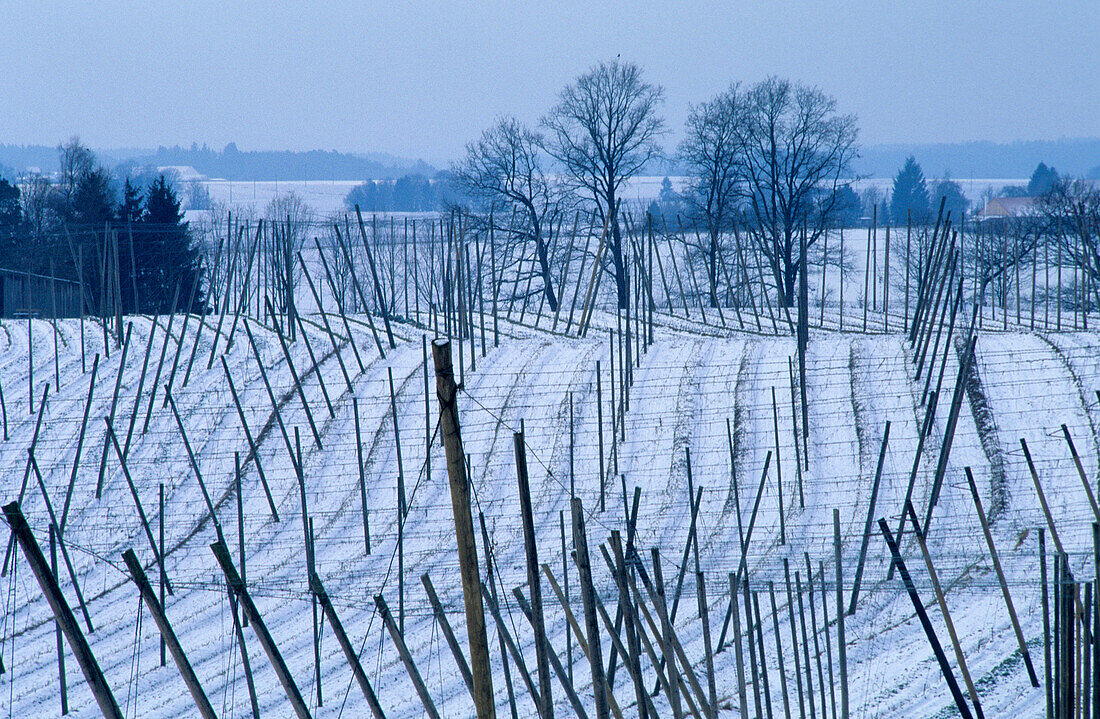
(73, 225)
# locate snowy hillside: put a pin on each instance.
(711, 395)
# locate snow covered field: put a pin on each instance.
(686, 388)
(326, 197)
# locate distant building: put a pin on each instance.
(23, 293)
(186, 173)
(999, 208)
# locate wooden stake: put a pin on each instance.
(253, 451)
(137, 574)
(1001, 578)
(918, 606)
(448, 633)
(297, 702)
(588, 598)
(870, 518)
(542, 650)
(447, 391)
(62, 612)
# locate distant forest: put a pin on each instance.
(232, 163)
(1073, 157)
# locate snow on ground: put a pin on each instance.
(686, 387)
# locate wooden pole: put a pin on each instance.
(870, 519)
(960, 658)
(62, 612)
(739, 654)
(447, 391)
(137, 574)
(1001, 577)
(918, 606)
(362, 473)
(841, 639)
(588, 598)
(1082, 475)
(378, 293)
(779, 653)
(61, 678)
(778, 470)
(546, 699)
(350, 654)
(1048, 683)
(559, 670)
(325, 322)
(79, 444)
(806, 649)
(297, 702)
(448, 633)
(253, 450)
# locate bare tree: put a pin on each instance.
(797, 148)
(1071, 222)
(76, 161)
(604, 130)
(714, 157)
(503, 169)
(289, 218)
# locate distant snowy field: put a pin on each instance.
(327, 196)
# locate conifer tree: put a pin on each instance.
(910, 194)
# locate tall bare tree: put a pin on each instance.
(503, 169)
(1070, 211)
(714, 158)
(797, 151)
(75, 161)
(604, 130)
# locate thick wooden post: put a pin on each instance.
(546, 699)
(62, 612)
(447, 392)
(155, 608)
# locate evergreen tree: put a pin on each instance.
(955, 201)
(910, 194)
(93, 203)
(1042, 180)
(163, 253)
(11, 226)
(89, 215)
(847, 207)
(131, 209)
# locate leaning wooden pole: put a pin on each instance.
(62, 611)
(918, 606)
(1001, 578)
(236, 586)
(173, 643)
(530, 543)
(447, 392)
(350, 654)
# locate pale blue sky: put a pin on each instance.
(422, 78)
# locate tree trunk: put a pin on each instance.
(544, 268)
(621, 283)
(790, 276)
(712, 267)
